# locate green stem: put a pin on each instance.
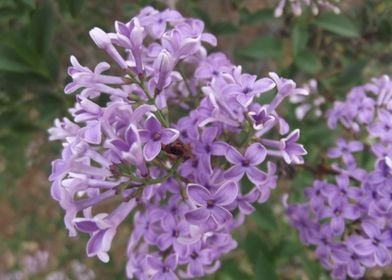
(145, 182)
(160, 116)
(248, 131)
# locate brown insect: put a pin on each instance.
(177, 150)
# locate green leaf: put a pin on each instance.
(9, 65)
(339, 24)
(247, 17)
(312, 268)
(299, 38)
(252, 244)
(262, 48)
(75, 6)
(230, 270)
(265, 267)
(308, 62)
(264, 217)
(42, 28)
(224, 28)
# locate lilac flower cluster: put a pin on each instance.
(349, 220)
(183, 179)
(298, 5)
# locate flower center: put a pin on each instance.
(194, 255)
(156, 136)
(246, 90)
(210, 203)
(245, 162)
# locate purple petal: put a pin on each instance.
(246, 208)
(341, 256)
(130, 134)
(355, 146)
(171, 261)
(154, 262)
(198, 194)
(263, 85)
(363, 247)
(226, 194)
(351, 212)
(382, 256)
(93, 133)
(255, 175)
(96, 243)
(337, 225)
(198, 216)
(371, 229)
(152, 124)
(120, 145)
(255, 153)
(233, 156)
(195, 268)
(169, 135)
(355, 270)
(334, 153)
(209, 134)
(168, 223)
(219, 148)
(164, 241)
(235, 172)
(221, 215)
(151, 150)
(86, 225)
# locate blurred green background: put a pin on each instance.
(36, 39)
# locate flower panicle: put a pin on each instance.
(181, 178)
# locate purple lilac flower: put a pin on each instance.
(254, 155)
(179, 178)
(154, 136)
(211, 206)
(349, 219)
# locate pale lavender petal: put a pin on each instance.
(371, 229)
(152, 124)
(233, 156)
(226, 194)
(337, 225)
(198, 194)
(255, 175)
(235, 172)
(364, 247)
(197, 216)
(151, 150)
(382, 256)
(221, 215)
(169, 135)
(255, 153)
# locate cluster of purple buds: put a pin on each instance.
(298, 5)
(310, 103)
(170, 138)
(348, 218)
